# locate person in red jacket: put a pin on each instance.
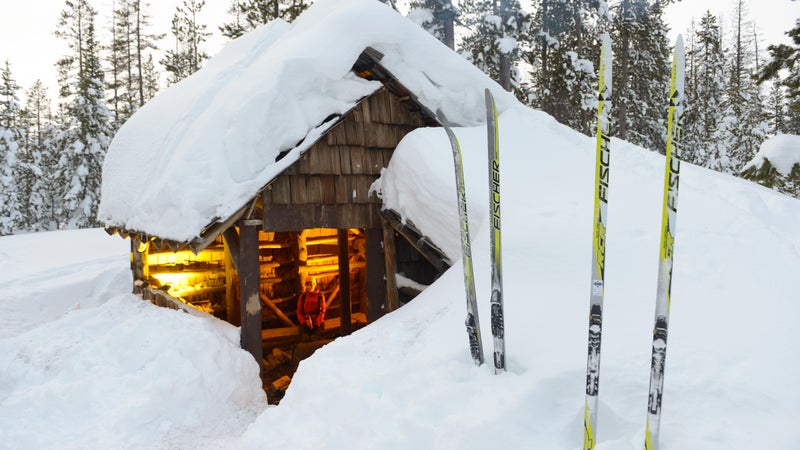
(311, 310)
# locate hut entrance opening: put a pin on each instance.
(208, 281)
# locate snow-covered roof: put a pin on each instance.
(197, 152)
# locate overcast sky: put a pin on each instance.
(27, 41)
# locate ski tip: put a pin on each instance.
(605, 40)
(679, 65)
(606, 64)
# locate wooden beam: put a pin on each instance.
(282, 217)
(414, 237)
(277, 311)
(231, 239)
(390, 262)
(249, 288)
(345, 303)
(232, 307)
(376, 284)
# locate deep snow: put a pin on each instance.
(116, 372)
(84, 364)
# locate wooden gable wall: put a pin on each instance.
(329, 186)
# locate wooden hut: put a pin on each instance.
(317, 218)
(255, 173)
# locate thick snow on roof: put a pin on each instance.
(200, 149)
(782, 151)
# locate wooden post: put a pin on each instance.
(376, 284)
(390, 262)
(139, 264)
(249, 288)
(232, 305)
(345, 303)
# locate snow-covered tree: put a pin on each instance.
(438, 17)
(249, 14)
(785, 66)
(188, 55)
(744, 127)
(11, 138)
(85, 130)
(496, 28)
(130, 48)
(39, 169)
(705, 87)
(641, 80)
(563, 54)
(776, 109)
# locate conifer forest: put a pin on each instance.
(739, 89)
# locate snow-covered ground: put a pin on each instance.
(83, 364)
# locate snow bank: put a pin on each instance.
(125, 374)
(202, 148)
(407, 381)
(82, 268)
(782, 151)
(129, 375)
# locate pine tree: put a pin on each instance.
(744, 128)
(249, 14)
(785, 66)
(438, 17)
(11, 138)
(493, 45)
(704, 91)
(562, 56)
(152, 82)
(85, 130)
(131, 46)
(40, 170)
(776, 109)
(642, 55)
(188, 56)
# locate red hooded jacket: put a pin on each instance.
(311, 304)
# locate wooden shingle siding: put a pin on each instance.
(338, 170)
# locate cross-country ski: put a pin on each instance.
(472, 321)
(495, 247)
(602, 169)
(666, 255)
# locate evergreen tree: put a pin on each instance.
(493, 42)
(704, 91)
(188, 56)
(497, 27)
(563, 80)
(641, 79)
(785, 59)
(131, 46)
(11, 137)
(438, 17)
(249, 14)
(85, 130)
(152, 83)
(776, 109)
(744, 128)
(39, 170)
